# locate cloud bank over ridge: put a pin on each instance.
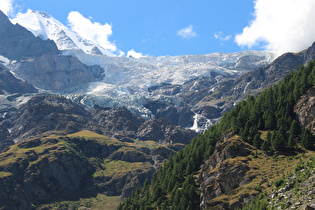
(6, 6)
(94, 31)
(280, 26)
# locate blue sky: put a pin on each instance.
(189, 27)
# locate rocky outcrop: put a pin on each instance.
(17, 43)
(305, 110)
(124, 184)
(42, 170)
(181, 116)
(9, 84)
(119, 121)
(297, 190)
(130, 155)
(53, 72)
(164, 132)
(264, 77)
(48, 113)
(309, 54)
(225, 170)
(4, 140)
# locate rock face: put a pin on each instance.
(46, 169)
(177, 115)
(257, 80)
(48, 113)
(225, 170)
(118, 121)
(4, 141)
(9, 84)
(305, 110)
(57, 73)
(18, 43)
(39, 61)
(164, 132)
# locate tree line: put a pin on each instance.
(174, 187)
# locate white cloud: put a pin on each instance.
(187, 32)
(6, 6)
(96, 32)
(134, 54)
(221, 36)
(283, 25)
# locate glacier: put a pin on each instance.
(127, 80)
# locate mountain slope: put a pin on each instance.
(9, 84)
(83, 164)
(266, 121)
(17, 43)
(52, 72)
(46, 27)
(256, 81)
(137, 84)
(44, 114)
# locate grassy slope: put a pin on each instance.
(266, 170)
(47, 147)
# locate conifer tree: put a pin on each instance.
(291, 142)
(257, 141)
(294, 129)
(306, 138)
(190, 167)
(276, 142)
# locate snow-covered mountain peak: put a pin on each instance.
(136, 82)
(45, 26)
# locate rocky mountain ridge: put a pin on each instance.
(46, 27)
(119, 81)
(256, 81)
(48, 113)
(17, 43)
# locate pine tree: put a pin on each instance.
(294, 129)
(253, 132)
(306, 138)
(265, 146)
(177, 197)
(164, 205)
(257, 141)
(291, 142)
(190, 167)
(270, 121)
(157, 193)
(275, 142)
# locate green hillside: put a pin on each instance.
(83, 169)
(266, 122)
